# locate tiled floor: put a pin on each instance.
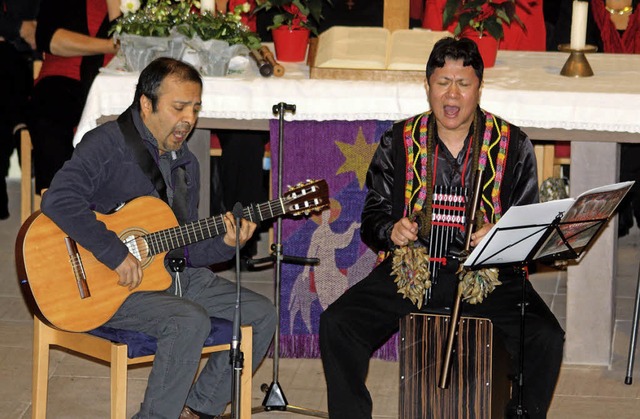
(79, 388)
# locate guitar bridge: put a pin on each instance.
(77, 268)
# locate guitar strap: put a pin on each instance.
(148, 165)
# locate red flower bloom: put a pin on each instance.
(291, 8)
(485, 12)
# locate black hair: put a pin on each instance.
(455, 49)
(153, 75)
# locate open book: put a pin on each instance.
(375, 48)
(554, 230)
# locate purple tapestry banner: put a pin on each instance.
(340, 153)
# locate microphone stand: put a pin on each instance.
(236, 357)
(275, 398)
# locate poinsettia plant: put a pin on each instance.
(483, 16)
(294, 13)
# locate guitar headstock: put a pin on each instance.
(306, 197)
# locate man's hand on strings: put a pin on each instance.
(404, 231)
(246, 230)
(477, 236)
(130, 272)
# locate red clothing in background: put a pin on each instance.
(55, 65)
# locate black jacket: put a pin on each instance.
(384, 204)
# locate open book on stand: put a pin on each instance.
(358, 52)
(554, 230)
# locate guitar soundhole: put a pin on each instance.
(133, 238)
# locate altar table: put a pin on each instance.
(596, 114)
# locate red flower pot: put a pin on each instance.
(290, 44)
(487, 45)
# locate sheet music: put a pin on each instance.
(579, 222)
(517, 232)
(520, 230)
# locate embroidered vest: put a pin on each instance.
(492, 160)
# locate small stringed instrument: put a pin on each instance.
(76, 292)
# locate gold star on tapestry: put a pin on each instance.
(357, 157)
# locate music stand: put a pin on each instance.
(551, 231)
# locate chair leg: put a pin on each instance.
(118, 381)
(26, 189)
(247, 372)
(40, 371)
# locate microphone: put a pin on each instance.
(237, 211)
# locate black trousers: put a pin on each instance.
(54, 112)
(16, 78)
(367, 314)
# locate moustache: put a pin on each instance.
(183, 126)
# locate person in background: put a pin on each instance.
(444, 147)
(240, 175)
(72, 34)
(17, 45)
(613, 26)
(351, 13)
(551, 9)
(106, 170)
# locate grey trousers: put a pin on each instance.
(181, 324)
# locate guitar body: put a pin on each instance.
(44, 264)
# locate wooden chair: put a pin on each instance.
(29, 199)
(548, 163)
(118, 355)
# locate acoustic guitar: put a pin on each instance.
(74, 291)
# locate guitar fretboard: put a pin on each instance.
(172, 238)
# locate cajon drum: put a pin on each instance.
(479, 386)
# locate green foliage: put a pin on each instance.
(161, 17)
(226, 27)
(156, 18)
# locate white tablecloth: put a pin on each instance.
(526, 88)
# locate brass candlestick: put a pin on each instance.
(577, 64)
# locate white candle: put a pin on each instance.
(206, 5)
(579, 24)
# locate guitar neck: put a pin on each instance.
(172, 238)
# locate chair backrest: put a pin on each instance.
(29, 199)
